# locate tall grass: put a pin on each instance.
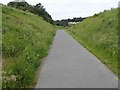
(0, 46)
(26, 39)
(99, 35)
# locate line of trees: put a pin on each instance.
(37, 9)
(65, 22)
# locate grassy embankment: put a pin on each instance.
(98, 34)
(26, 39)
(0, 47)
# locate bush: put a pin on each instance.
(95, 15)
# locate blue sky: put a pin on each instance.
(63, 9)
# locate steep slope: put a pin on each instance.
(99, 35)
(26, 39)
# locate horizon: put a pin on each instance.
(73, 8)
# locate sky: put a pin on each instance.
(64, 9)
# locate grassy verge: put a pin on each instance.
(26, 39)
(99, 35)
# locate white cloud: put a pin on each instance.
(73, 8)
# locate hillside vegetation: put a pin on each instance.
(98, 34)
(26, 39)
(37, 9)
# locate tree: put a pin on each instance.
(41, 11)
(38, 9)
(19, 5)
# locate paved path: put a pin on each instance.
(70, 65)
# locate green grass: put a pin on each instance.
(99, 35)
(0, 47)
(26, 39)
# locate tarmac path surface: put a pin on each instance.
(70, 65)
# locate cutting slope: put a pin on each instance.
(26, 39)
(99, 35)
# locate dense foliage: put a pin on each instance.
(37, 9)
